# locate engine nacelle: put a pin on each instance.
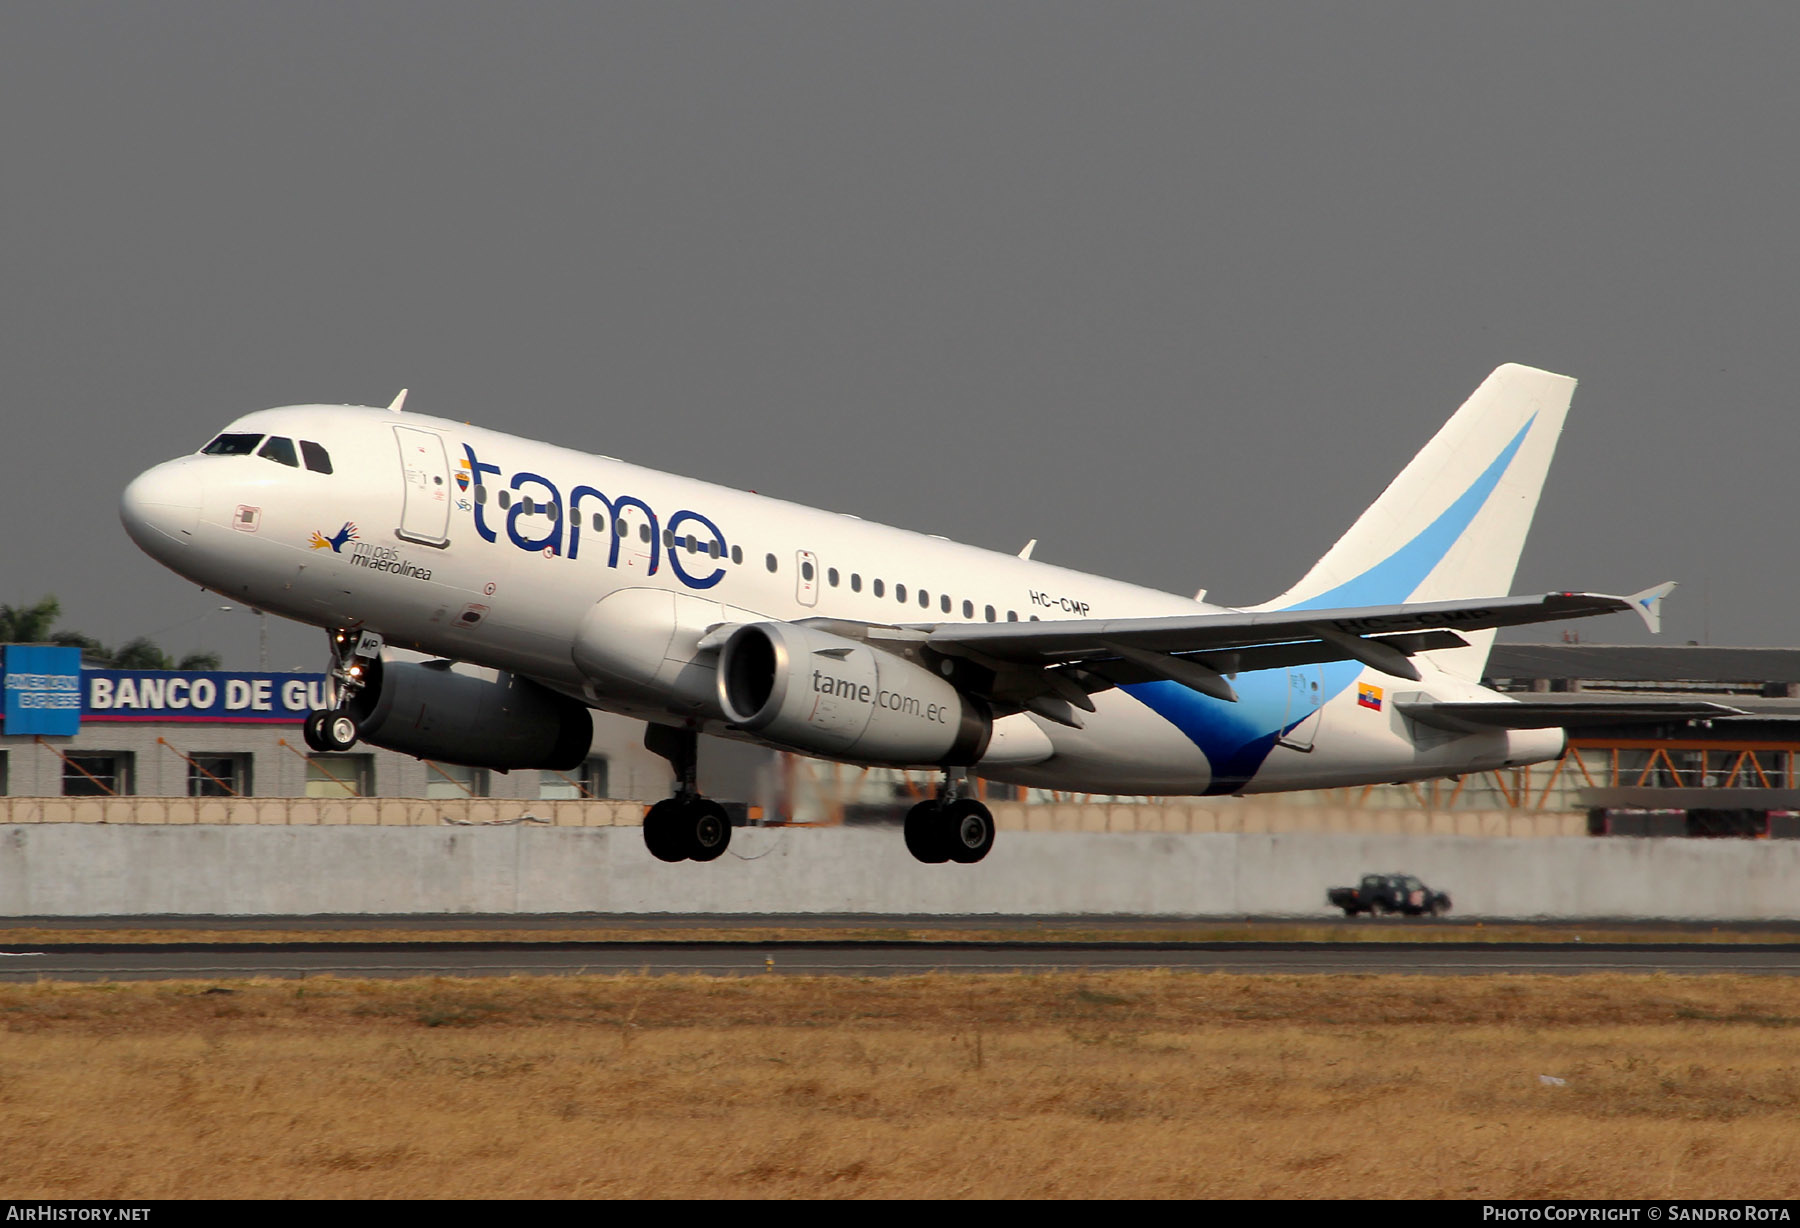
(463, 714)
(823, 693)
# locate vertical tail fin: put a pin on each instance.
(1453, 523)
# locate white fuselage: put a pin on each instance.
(422, 531)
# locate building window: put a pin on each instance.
(586, 781)
(218, 776)
(98, 775)
(454, 781)
(340, 775)
(2, 773)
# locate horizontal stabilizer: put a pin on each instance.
(1563, 714)
(1648, 604)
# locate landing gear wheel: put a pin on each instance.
(968, 829)
(313, 730)
(927, 834)
(705, 829)
(337, 732)
(662, 831)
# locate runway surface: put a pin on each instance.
(232, 961)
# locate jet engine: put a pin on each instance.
(464, 714)
(821, 693)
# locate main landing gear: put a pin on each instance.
(353, 654)
(686, 827)
(950, 827)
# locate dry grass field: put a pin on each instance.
(1114, 1085)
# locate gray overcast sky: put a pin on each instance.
(1174, 288)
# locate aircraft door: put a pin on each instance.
(1301, 721)
(806, 577)
(425, 516)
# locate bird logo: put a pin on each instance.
(336, 540)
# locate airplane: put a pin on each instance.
(544, 581)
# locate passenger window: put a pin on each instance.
(969, 609)
(530, 507)
(944, 603)
(554, 511)
(668, 539)
(599, 523)
(232, 445)
(990, 613)
(505, 498)
(877, 588)
(712, 548)
(806, 569)
(317, 458)
(1012, 616)
(769, 562)
(481, 495)
(831, 576)
(924, 600)
(693, 544)
(644, 532)
(280, 449)
(856, 582)
(1034, 618)
(737, 554)
(899, 592)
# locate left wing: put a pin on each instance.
(1198, 650)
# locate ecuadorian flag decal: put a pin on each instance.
(1368, 696)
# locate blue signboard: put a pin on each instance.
(43, 690)
(199, 695)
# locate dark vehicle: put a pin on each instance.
(1384, 893)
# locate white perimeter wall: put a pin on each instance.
(74, 869)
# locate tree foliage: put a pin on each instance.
(35, 624)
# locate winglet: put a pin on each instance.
(1649, 604)
(398, 402)
(1029, 547)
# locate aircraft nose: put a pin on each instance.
(161, 507)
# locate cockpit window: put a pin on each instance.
(232, 445)
(317, 458)
(281, 450)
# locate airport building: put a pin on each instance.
(75, 732)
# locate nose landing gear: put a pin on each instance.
(950, 827)
(354, 654)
